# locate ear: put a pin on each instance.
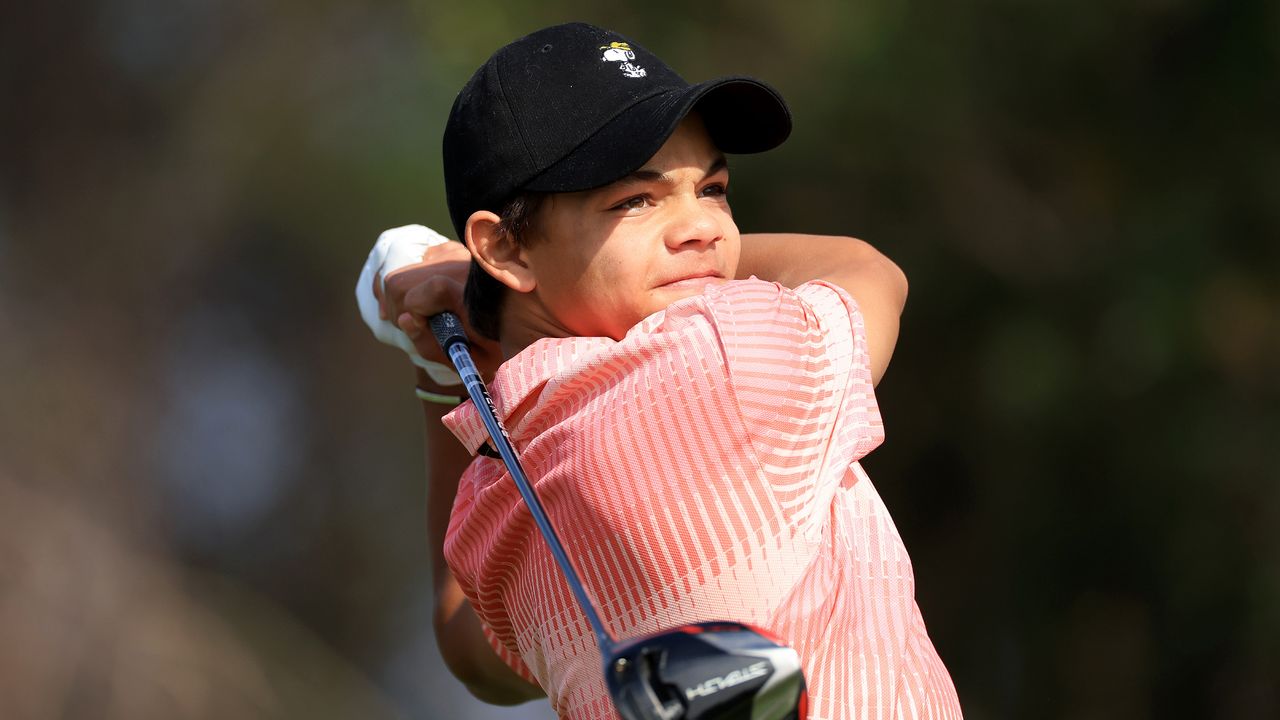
(497, 252)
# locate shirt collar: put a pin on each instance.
(517, 380)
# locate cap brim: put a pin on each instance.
(742, 115)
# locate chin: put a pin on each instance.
(666, 296)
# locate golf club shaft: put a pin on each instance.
(449, 333)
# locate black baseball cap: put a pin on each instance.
(574, 107)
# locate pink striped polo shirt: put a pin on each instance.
(704, 467)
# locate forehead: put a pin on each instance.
(689, 149)
(688, 153)
(689, 144)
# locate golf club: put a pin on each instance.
(704, 671)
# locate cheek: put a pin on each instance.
(593, 288)
(731, 247)
(731, 269)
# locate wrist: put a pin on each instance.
(434, 394)
(442, 399)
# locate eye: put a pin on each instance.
(715, 190)
(632, 203)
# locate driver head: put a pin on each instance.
(707, 671)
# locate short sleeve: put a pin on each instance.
(800, 373)
(512, 659)
(464, 572)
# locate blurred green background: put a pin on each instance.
(211, 495)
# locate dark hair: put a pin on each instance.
(483, 294)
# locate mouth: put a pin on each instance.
(693, 280)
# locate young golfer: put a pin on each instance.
(691, 403)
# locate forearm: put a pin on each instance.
(875, 282)
(446, 460)
(792, 259)
(469, 657)
(459, 635)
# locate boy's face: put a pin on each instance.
(605, 259)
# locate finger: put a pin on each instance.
(418, 329)
(412, 325)
(437, 295)
(444, 252)
(377, 293)
(404, 283)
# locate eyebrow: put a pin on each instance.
(644, 175)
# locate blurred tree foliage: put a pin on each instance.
(1083, 412)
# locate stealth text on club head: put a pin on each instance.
(706, 671)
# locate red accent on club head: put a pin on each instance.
(767, 635)
(699, 628)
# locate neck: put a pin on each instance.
(522, 325)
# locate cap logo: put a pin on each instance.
(622, 54)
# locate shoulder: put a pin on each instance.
(755, 298)
(764, 335)
(752, 308)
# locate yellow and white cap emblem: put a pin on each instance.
(622, 54)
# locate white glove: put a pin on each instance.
(397, 248)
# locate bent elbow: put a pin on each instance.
(880, 271)
(897, 281)
(472, 661)
(457, 643)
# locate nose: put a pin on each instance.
(693, 224)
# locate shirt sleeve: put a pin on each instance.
(801, 376)
(511, 658)
(464, 562)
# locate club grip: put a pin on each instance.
(447, 328)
